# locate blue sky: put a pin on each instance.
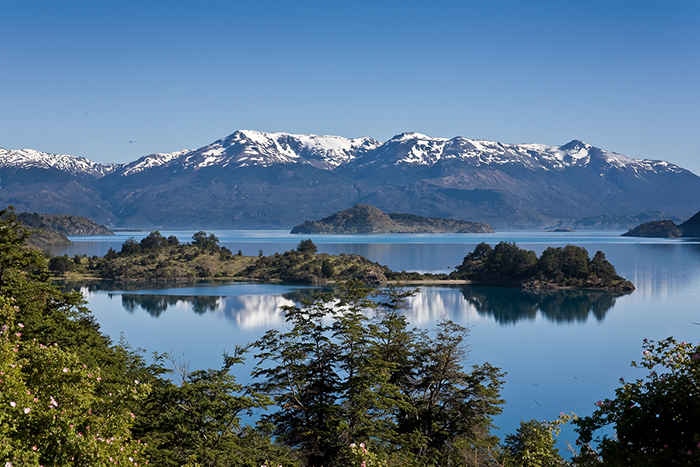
(113, 81)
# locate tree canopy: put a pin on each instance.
(510, 266)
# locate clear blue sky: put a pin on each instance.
(115, 80)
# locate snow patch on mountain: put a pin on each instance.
(150, 161)
(253, 148)
(415, 149)
(30, 158)
(246, 148)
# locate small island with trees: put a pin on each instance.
(507, 265)
(366, 219)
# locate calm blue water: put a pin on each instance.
(562, 351)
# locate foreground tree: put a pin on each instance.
(655, 420)
(198, 421)
(351, 371)
(534, 444)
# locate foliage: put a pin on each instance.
(307, 247)
(70, 397)
(54, 409)
(306, 267)
(338, 376)
(61, 264)
(655, 419)
(154, 241)
(358, 455)
(201, 240)
(534, 444)
(17, 263)
(198, 422)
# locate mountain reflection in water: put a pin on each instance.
(505, 305)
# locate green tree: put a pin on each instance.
(304, 384)
(201, 240)
(566, 266)
(327, 268)
(655, 419)
(351, 371)
(130, 247)
(307, 247)
(61, 264)
(153, 241)
(17, 263)
(534, 444)
(198, 422)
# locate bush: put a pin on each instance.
(655, 419)
(61, 264)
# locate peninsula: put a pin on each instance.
(366, 219)
(157, 258)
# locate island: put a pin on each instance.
(507, 265)
(667, 229)
(159, 259)
(366, 219)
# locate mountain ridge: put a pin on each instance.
(249, 147)
(253, 179)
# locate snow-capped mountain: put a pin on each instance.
(415, 149)
(252, 179)
(253, 148)
(29, 158)
(247, 148)
(150, 161)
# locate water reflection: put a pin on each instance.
(244, 311)
(464, 304)
(154, 305)
(508, 306)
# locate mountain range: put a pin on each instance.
(252, 179)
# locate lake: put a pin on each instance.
(562, 350)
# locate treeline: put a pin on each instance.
(508, 265)
(156, 258)
(347, 383)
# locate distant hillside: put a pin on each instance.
(64, 223)
(667, 229)
(691, 227)
(51, 229)
(364, 219)
(605, 222)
